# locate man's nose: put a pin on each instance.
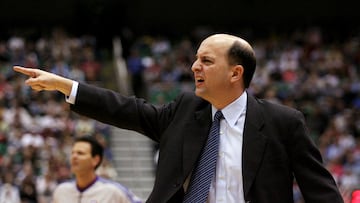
(195, 66)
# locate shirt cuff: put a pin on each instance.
(72, 97)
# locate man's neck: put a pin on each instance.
(84, 181)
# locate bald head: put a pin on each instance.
(227, 39)
(223, 62)
(238, 51)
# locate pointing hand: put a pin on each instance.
(41, 80)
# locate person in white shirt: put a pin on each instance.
(9, 192)
(86, 157)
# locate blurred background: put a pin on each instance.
(308, 58)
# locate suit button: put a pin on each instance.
(176, 184)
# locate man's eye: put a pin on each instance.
(207, 61)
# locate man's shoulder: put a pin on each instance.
(66, 185)
(272, 104)
(113, 187)
(64, 189)
(274, 109)
(107, 184)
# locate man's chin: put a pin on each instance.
(197, 92)
(200, 93)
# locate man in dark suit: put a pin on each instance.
(263, 146)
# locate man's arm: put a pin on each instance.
(41, 80)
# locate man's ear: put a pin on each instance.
(237, 73)
(96, 160)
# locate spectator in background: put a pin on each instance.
(9, 192)
(136, 69)
(28, 192)
(60, 66)
(86, 157)
(106, 170)
(45, 187)
(90, 66)
(16, 46)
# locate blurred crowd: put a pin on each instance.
(37, 128)
(302, 69)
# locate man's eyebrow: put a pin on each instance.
(204, 54)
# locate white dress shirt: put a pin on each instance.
(72, 97)
(227, 187)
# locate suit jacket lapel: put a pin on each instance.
(254, 143)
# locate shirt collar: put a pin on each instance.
(85, 188)
(233, 111)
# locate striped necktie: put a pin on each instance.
(205, 170)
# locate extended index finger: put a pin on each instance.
(27, 71)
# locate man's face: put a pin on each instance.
(81, 160)
(211, 69)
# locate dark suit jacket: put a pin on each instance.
(276, 146)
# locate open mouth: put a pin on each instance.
(199, 81)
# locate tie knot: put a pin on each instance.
(218, 116)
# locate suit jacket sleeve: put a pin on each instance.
(121, 111)
(315, 182)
